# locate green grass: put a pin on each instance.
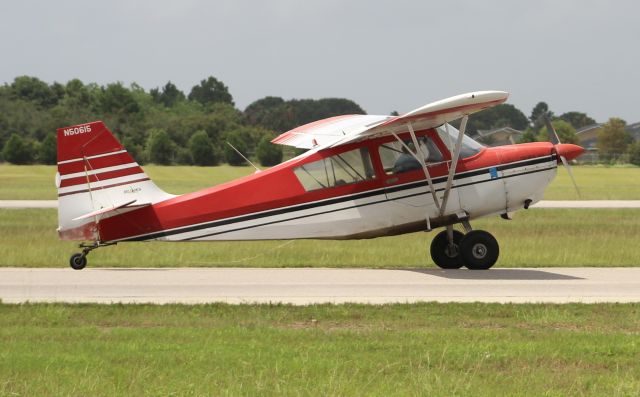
(535, 238)
(37, 182)
(422, 349)
(596, 183)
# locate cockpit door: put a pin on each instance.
(405, 181)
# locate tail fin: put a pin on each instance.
(97, 176)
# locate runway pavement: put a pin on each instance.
(307, 286)
(587, 204)
(24, 204)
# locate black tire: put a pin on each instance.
(78, 261)
(479, 250)
(440, 251)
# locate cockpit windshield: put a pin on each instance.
(469, 146)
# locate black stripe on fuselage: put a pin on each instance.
(354, 206)
(357, 196)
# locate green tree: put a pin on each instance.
(80, 103)
(160, 148)
(169, 96)
(136, 151)
(202, 149)
(565, 131)
(211, 91)
(34, 90)
(240, 143)
(270, 112)
(118, 100)
(308, 110)
(612, 139)
(48, 151)
(276, 114)
(503, 115)
(31, 120)
(634, 153)
(529, 136)
(577, 119)
(268, 154)
(183, 156)
(17, 150)
(537, 113)
(58, 91)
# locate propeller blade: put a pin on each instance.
(560, 148)
(568, 167)
(553, 135)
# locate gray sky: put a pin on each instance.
(385, 55)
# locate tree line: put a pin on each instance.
(166, 126)
(613, 141)
(162, 125)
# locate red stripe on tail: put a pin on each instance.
(82, 180)
(84, 140)
(96, 163)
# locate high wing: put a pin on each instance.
(327, 131)
(340, 130)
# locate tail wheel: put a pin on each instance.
(479, 250)
(445, 256)
(78, 261)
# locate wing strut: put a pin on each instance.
(422, 163)
(454, 161)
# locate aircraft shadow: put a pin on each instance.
(454, 274)
(495, 274)
(131, 269)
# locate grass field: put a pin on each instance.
(37, 182)
(421, 349)
(535, 238)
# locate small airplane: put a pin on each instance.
(363, 176)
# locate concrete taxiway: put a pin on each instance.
(318, 285)
(25, 204)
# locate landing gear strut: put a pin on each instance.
(78, 261)
(476, 250)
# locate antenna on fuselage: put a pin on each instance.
(243, 156)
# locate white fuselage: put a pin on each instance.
(386, 211)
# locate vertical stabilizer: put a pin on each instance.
(95, 172)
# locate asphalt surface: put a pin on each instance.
(23, 204)
(308, 286)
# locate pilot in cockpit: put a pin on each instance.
(427, 151)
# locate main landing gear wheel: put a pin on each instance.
(78, 261)
(479, 250)
(445, 256)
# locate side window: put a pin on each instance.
(344, 168)
(396, 159)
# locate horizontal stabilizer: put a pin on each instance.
(110, 209)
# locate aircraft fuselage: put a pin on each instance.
(301, 199)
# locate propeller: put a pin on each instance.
(564, 150)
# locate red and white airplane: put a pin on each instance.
(363, 176)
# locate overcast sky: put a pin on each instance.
(385, 55)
